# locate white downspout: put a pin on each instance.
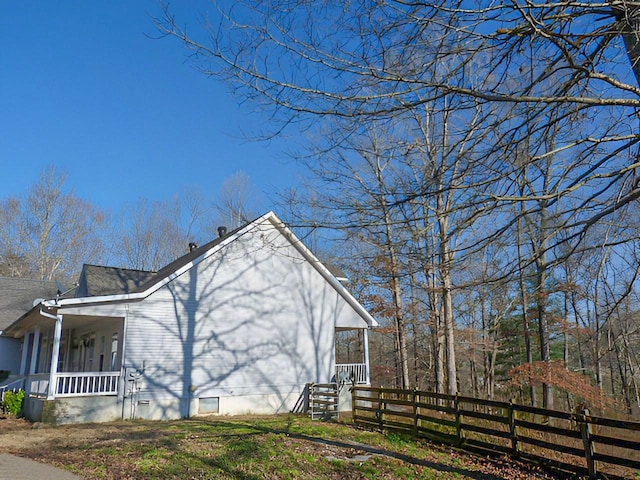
(366, 355)
(122, 345)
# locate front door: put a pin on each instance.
(87, 353)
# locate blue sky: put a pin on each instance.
(82, 87)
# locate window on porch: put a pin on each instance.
(91, 352)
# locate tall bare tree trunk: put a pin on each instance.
(440, 354)
(524, 295)
(541, 299)
(394, 266)
(447, 305)
(628, 20)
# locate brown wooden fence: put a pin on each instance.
(572, 442)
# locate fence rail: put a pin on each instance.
(577, 443)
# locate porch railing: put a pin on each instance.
(352, 372)
(86, 383)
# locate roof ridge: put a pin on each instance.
(119, 268)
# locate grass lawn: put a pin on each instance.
(273, 447)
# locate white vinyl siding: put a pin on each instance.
(255, 318)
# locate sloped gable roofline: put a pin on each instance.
(322, 269)
(159, 282)
(216, 245)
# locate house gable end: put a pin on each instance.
(266, 222)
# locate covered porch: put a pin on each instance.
(352, 356)
(69, 355)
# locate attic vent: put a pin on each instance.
(192, 246)
(222, 231)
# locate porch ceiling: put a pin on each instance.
(76, 321)
(34, 319)
(347, 329)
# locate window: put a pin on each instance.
(114, 351)
(209, 405)
(102, 344)
(89, 352)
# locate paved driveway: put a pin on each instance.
(18, 468)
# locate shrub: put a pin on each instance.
(13, 402)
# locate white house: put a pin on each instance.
(238, 325)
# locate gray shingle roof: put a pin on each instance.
(17, 296)
(96, 280)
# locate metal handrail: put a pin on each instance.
(13, 385)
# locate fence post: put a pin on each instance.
(416, 411)
(456, 407)
(353, 403)
(379, 413)
(511, 415)
(585, 430)
(306, 404)
(312, 404)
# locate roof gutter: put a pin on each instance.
(48, 315)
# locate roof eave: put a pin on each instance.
(16, 330)
(322, 269)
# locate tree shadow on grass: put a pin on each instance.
(349, 445)
(219, 448)
(147, 449)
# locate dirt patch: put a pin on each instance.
(10, 424)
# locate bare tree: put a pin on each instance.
(236, 201)
(50, 231)
(361, 61)
(151, 234)
(550, 91)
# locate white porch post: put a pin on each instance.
(365, 338)
(34, 351)
(25, 352)
(57, 335)
(122, 387)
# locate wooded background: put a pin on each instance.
(473, 167)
